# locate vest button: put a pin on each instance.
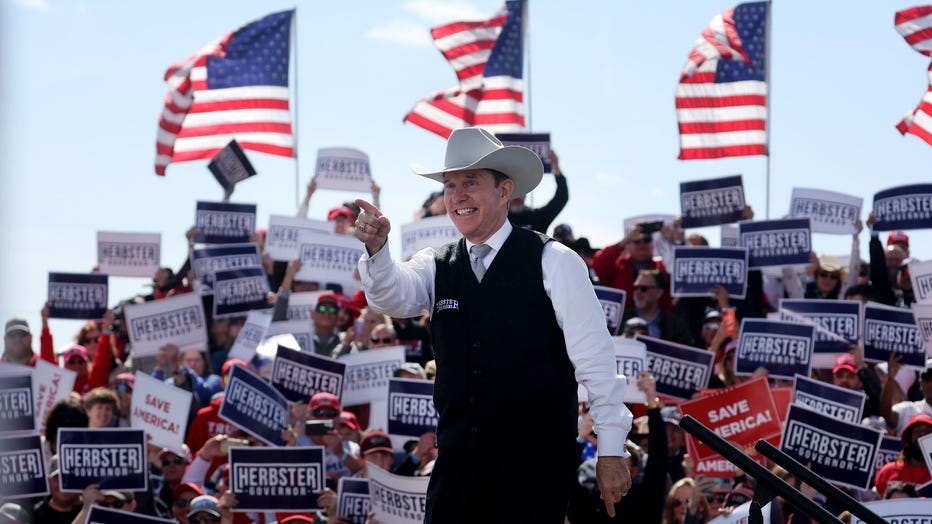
(472, 399)
(477, 372)
(475, 345)
(473, 429)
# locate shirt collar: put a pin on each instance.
(497, 240)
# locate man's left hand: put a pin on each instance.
(614, 479)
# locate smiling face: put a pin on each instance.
(477, 205)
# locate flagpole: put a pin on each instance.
(767, 88)
(294, 132)
(527, 47)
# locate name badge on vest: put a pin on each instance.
(447, 303)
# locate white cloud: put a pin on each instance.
(439, 11)
(401, 32)
(40, 5)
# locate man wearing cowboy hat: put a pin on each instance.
(514, 324)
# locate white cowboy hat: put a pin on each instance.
(476, 148)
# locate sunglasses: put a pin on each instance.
(383, 340)
(327, 309)
(203, 519)
(710, 325)
(679, 502)
(76, 361)
(325, 413)
(643, 289)
(720, 497)
(379, 442)
(642, 240)
(116, 504)
(176, 461)
(826, 274)
(181, 503)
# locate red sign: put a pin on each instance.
(740, 414)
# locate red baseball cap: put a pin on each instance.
(225, 369)
(339, 211)
(324, 400)
(845, 361)
(75, 351)
(375, 441)
(898, 237)
(186, 486)
(348, 418)
(921, 418)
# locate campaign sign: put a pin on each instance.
(17, 411)
(101, 515)
(920, 275)
(697, 269)
(231, 165)
(427, 232)
(711, 202)
(177, 320)
(281, 239)
(77, 296)
(741, 515)
(903, 207)
(889, 451)
(224, 222)
(239, 291)
(250, 335)
(833, 401)
(780, 243)
(129, 254)
(837, 325)
(680, 370)
(22, 467)
(209, 260)
(299, 375)
(276, 479)
(161, 410)
(900, 511)
(613, 305)
(922, 313)
(327, 258)
(828, 211)
(729, 235)
(536, 142)
(630, 358)
(411, 410)
(839, 451)
(115, 458)
(367, 374)
(253, 405)
(353, 499)
(890, 329)
(300, 305)
(343, 168)
(50, 384)
(396, 499)
(925, 443)
(741, 414)
(784, 349)
(301, 330)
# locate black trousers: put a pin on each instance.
(525, 481)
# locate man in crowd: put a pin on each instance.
(17, 343)
(555, 324)
(649, 289)
(618, 265)
(540, 218)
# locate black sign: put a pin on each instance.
(77, 296)
(231, 165)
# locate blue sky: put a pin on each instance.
(82, 91)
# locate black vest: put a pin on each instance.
(502, 369)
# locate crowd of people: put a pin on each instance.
(191, 484)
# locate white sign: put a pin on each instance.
(903, 510)
(432, 232)
(129, 254)
(250, 335)
(830, 212)
(327, 258)
(630, 357)
(397, 499)
(301, 330)
(925, 442)
(161, 410)
(739, 515)
(300, 305)
(729, 235)
(281, 240)
(367, 374)
(177, 320)
(923, 315)
(920, 275)
(343, 168)
(50, 384)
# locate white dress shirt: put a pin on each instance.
(407, 290)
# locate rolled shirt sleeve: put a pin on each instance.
(401, 290)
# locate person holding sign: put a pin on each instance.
(618, 265)
(513, 314)
(911, 465)
(540, 218)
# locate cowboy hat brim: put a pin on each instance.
(520, 164)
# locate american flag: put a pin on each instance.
(721, 100)
(235, 87)
(915, 24)
(488, 59)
